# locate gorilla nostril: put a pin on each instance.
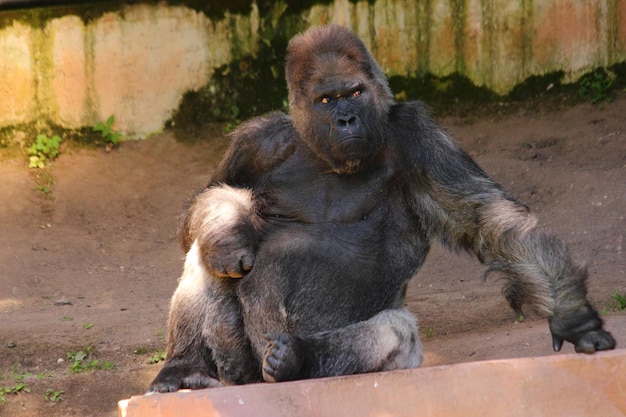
(347, 121)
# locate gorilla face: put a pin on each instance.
(341, 124)
(339, 98)
(348, 138)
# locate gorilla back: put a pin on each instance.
(300, 248)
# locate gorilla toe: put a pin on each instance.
(283, 358)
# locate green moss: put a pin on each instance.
(217, 9)
(459, 14)
(250, 85)
(244, 88)
(536, 86)
(23, 135)
(619, 71)
(596, 86)
(443, 93)
(38, 16)
(440, 92)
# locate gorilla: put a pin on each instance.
(300, 249)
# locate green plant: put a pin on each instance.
(110, 137)
(157, 357)
(53, 396)
(17, 376)
(15, 389)
(43, 149)
(140, 351)
(43, 183)
(595, 86)
(88, 326)
(160, 334)
(430, 332)
(617, 303)
(83, 360)
(20, 375)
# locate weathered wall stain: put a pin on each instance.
(74, 68)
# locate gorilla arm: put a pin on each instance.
(206, 337)
(221, 217)
(470, 211)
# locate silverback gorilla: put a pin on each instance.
(300, 249)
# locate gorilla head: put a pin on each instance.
(338, 96)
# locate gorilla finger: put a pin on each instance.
(557, 343)
(234, 273)
(606, 341)
(595, 341)
(163, 387)
(247, 260)
(271, 363)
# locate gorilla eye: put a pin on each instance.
(357, 93)
(325, 100)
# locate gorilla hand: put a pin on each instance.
(220, 219)
(582, 328)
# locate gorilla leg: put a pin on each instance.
(387, 341)
(206, 339)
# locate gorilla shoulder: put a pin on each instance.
(258, 146)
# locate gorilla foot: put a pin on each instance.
(283, 358)
(181, 376)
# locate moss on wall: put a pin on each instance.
(253, 82)
(38, 16)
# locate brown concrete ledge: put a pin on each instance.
(565, 385)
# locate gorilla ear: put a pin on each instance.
(319, 44)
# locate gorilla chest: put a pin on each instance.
(306, 198)
(342, 220)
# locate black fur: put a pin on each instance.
(301, 247)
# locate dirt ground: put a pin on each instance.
(96, 262)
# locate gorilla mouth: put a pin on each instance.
(350, 138)
(350, 153)
(350, 144)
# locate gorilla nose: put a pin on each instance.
(347, 121)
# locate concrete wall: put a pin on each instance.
(138, 61)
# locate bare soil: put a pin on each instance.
(96, 261)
